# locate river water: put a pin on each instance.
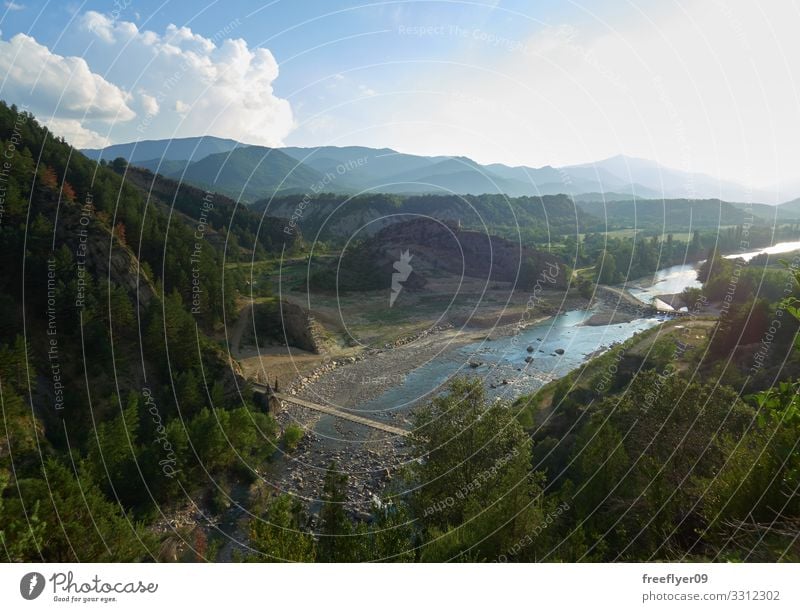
(781, 247)
(558, 346)
(667, 280)
(503, 359)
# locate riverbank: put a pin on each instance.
(497, 316)
(349, 381)
(386, 383)
(514, 349)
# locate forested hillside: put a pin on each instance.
(332, 217)
(118, 405)
(656, 462)
(440, 249)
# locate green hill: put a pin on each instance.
(673, 215)
(336, 217)
(118, 401)
(250, 173)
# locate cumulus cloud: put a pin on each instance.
(149, 104)
(99, 25)
(64, 87)
(176, 83)
(214, 85)
(75, 134)
(182, 108)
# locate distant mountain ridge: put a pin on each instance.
(176, 149)
(254, 172)
(249, 172)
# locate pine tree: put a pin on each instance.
(280, 535)
(335, 541)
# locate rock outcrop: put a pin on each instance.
(91, 242)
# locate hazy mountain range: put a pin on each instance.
(253, 172)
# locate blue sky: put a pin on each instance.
(700, 86)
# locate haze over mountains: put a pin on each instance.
(253, 172)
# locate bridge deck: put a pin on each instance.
(348, 416)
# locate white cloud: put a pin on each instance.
(182, 108)
(186, 84)
(100, 25)
(54, 85)
(13, 6)
(149, 104)
(213, 85)
(75, 134)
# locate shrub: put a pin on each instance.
(292, 436)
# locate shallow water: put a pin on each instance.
(504, 359)
(667, 280)
(781, 247)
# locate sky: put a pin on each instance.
(708, 86)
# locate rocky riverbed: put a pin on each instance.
(369, 458)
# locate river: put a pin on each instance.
(501, 361)
(558, 345)
(667, 280)
(776, 249)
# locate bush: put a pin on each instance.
(292, 436)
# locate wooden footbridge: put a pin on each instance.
(277, 401)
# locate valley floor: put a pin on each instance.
(371, 349)
(347, 377)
